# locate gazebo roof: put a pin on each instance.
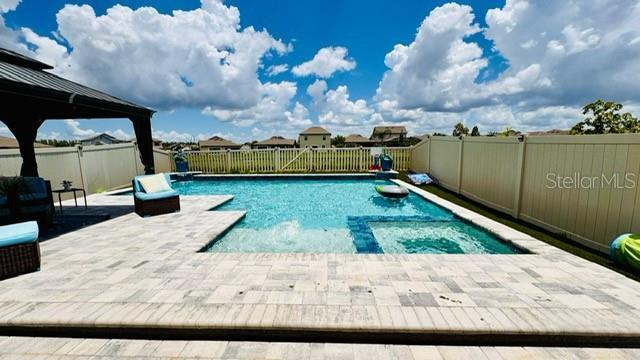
(30, 95)
(23, 76)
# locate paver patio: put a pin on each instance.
(65, 348)
(146, 275)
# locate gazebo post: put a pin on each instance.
(26, 130)
(142, 128)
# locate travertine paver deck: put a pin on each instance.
(133, 272)
(65, 348)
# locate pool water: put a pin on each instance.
(311, 216)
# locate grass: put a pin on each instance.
(557, 240)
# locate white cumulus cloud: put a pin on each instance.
(274, 70)
(560, 56)
(273, 108)
(196, 58)
(325, 63)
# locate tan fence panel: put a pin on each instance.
(54, 164)
(420, 156)
(108, 167)
(162, 161)
(601, 203)
(95, 168)
(490, 171)
(444, 160)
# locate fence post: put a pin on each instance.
(460, 151)
(83, 177)
(429, 154)
(520, 168)
(360, 163)
(277, 160)
(228, 161)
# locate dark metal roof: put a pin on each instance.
(13, 57)
(17, 75)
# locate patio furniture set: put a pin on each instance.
(26, 206)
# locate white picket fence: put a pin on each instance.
(311, 160)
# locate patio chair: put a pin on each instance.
(153, 195)
(19, 249)
(31, 200)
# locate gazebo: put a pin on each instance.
(30, 95)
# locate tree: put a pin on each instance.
(605, 119)
(475, 131)
(508, 131)
(439, 134)
(460, 129)
(338, 141)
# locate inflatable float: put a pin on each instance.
(625, 250)
(392, 191)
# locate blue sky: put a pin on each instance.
(504, 69)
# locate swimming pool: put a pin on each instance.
(338, 216)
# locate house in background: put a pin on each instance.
(388, 135)
(275, 142)
(315, 137)
(218, 143)
(102, 139)
(356, 140)
(11, 143)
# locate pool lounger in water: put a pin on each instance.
(392, 191)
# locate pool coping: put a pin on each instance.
(285, 176)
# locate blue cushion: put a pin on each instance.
(156, 196)
(16, 234)
(33, 197)
(35, 185)
(137, 187)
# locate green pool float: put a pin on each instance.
(392, 191)
(625, 250)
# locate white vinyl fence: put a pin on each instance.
(95, 168)
(586, 187)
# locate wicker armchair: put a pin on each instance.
(19, 249)
(155, 203)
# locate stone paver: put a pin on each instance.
(147, 272)
(67, 348)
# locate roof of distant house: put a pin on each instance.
(218, 141)
(315, 130)
(276, 140)
(11, 143)
(105, 135)
(394, 130)
(356, 138)
(550, 132)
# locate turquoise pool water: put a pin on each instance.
(338, 216)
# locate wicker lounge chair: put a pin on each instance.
(19, 249)
(149, 204)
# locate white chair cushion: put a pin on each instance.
(154, 183)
